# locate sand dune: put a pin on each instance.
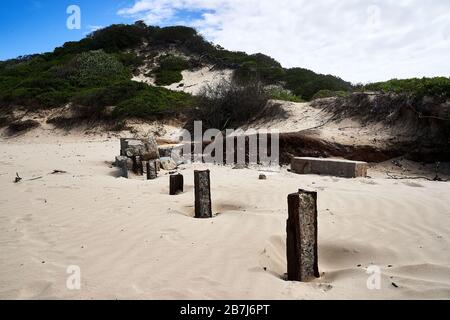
(134, 241)
(193, 81)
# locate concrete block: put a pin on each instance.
(330, 167)
(120, 160)
(126, 143)
(122, 164)
(168, 164)
(175, 152)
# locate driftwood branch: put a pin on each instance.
(37, 178)
(395, 177)
(18, 178)
(58, 172)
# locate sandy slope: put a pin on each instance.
(193, 81)
(314, 121)
(132, 240)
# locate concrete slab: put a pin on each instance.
(330, 167)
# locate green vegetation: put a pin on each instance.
(278, 93)
(96, 72)
(22, 126)
(230, 104)
(438, 87)
(133, 99)
(153, 101)
(93, 69)
(169, 70)
(329, 94)
(115, 38)
(92, 79)
(305, 83)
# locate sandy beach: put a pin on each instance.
(132, 240)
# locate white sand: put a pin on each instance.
(193, 81)
(132, 240)
(320, 123)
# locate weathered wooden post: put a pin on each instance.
(123, 146)
(202, 194)
(137, 165)
(152, 173)
(121, 163)
(301, 244)
(176, 184)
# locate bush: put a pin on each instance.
(22, 126)
(257, 67)
(167, 77)
(94, 68)
(306, 83)
(230, 104)
(438, 87)
(132, 99)
(169, 70)
(130, 60)
(175, 34)
(118, 37)
(278, 93)
(109, 95)
(53, 98)
(153, 101)
(4, 121)
(329, 94)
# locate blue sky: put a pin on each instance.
(35, 26)
(358, 40)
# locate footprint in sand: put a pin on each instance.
(272, 256)
(367, 181)
(324, 287)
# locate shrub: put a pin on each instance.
(438, 87)
(4, 121)
(153, 101)
(278, 93)
(118, 37)
(94, 68)
(230, 104)
(169, 70)
(22, 126)
(175, 34)
(167, 77)
(74, 47)
(109, 95)
(130, 60)
(257, 67)
(53, 98)
(329, 94)
(305, 83)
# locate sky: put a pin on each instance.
(357, 40)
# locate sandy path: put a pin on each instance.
(132, 240)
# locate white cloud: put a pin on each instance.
(91, 29)
(358, 40)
